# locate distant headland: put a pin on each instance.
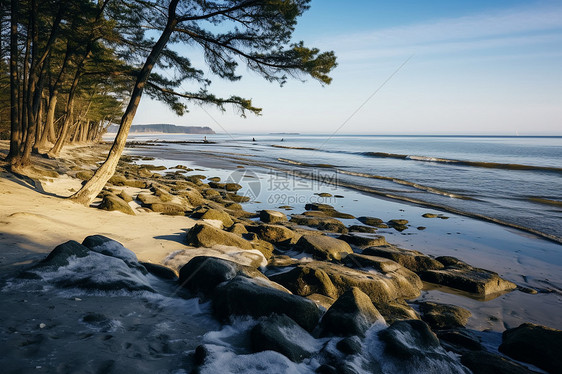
(165, 129)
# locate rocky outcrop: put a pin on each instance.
(443, 316)
(323, 247)
(352, 314)
(112, 202)
(203, 235)
(413, 347)
(332, 280)
(535, 344)
(242, 296)
(214, 214)
(276, 234)
(459, 275)
(321, 223)
(272, 216)
(372, 221)
(488, 363)
(363, 241)
(281, 334)
(327, 210)
(202, 273)
(413, 260)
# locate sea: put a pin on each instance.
(515, 181)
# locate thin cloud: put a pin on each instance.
(509, 28)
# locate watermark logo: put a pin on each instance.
(250, 182)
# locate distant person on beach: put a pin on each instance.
(205, 140)
(281, 139)
(253, 139)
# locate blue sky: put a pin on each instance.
(475, 67)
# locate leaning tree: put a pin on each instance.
(229, 32)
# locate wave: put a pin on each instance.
(481, 164)
(287, 147)
(299, 163)
(418, 186)
(403, 182)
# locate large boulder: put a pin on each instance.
(203, 235)
(355, 260)
(109, 247)
(413, 347)
(112, 202)
(443, 316)
(272, 216)
(323, 247)
(243, 296)
(535, 344)
(459, 340)
(413, 260)
(464, 277)
(193, 196)
(281, 334)
(333, 280)
(73, 265)
(372, 221)
(488, 363)
(352, 314)
(168, 208)
(275, 234)
(321, 223)
(327, 210)
(202, 273)
(363, 241)
(215, 214)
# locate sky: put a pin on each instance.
(407, 67)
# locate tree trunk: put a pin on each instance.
(15, 125)
(49, 130)
(92, 188)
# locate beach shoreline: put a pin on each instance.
(36, 218)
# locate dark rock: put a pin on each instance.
(413, 260)
(275, 234)
(363, 241)
(148, 199)
(125, 196)
(362, 229)
(350, 346)
(242, 296)
(202, 235)
(168, 209)
(60, 255)
(385, 265)
(535, 344)
(413, 347)
(272, 216)
(464, 277)
(323, 247)
(236, 198)
(397, 310)
(488, 363)
(111, 202)
(371, 221)
(214, 214)
(459, 340)
(328, 210)
(429, 215)
(109, 247)
(332, 280)
(135, 183)
(408, 339)
(160, 271)
(281, 334)
(202, 274)
(352, 314)
(321, 223)
(443, 316)
(238, 228)
(117, 180)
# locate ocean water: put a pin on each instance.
(515, 181)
